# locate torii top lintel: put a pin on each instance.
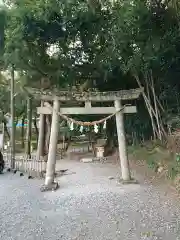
(49, 95)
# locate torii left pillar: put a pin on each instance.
(51, 163)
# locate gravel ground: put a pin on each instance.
(87, 206)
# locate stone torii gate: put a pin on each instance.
(57, 97)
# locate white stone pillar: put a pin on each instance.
(51, 163)
(122, 143)
(41, 136)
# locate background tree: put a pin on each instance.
(103, 45)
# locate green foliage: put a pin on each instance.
(2, 29)
(4, 97)
(99, 42)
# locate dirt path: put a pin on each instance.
(88, 206)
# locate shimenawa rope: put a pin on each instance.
(81, 123)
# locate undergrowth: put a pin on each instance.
(157, 158)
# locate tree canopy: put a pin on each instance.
(108, 45)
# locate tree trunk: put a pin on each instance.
(148, 105)
(22, 133)
(43, 150)
(12, 121)
(156, 109)
(149, 110)
(6, 129)
(46, 136)
(111, 139)
(36, 128)
(29, 127)
(48, 132)
(41, 138)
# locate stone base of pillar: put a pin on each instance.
(51, 187)
(130, 181)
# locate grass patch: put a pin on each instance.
(156, 157)
(173, 169)
(142, 154)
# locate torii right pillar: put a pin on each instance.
(125, 168)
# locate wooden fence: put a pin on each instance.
(31, 166)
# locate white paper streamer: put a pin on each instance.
(81, 129)
(95, 128)
(69, 123)
(104, 126)
(72, 126)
